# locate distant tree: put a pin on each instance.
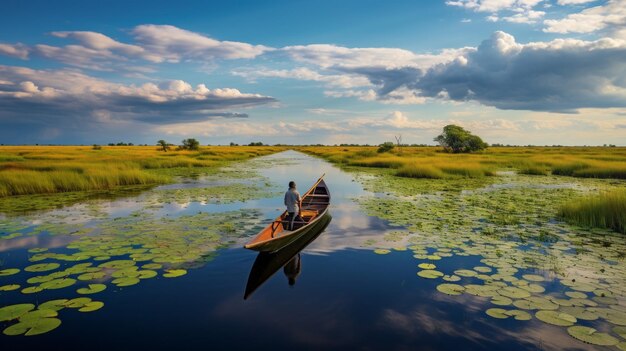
(191, 144)
(163, 145)
(233, 144)
(258, 143)
(456, 139)
(386, 147)
(96, 147)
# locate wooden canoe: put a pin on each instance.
(267, 264)
(274, 237)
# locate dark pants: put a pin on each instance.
(295, 217)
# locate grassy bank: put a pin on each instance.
(53, 169)
(430, 162)
(606, 210)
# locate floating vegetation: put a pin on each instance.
(124, 251)
(523, 250)
(591, 336)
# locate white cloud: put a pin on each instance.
(494, 5)
(15, 50)
(48, 95)
(172, 44)
(611, 15)
(303, 73)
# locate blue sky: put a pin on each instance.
(513, 71)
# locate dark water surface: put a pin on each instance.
(345, 297)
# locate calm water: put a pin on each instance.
(345, 297)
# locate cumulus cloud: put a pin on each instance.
(50, 96)
(521, 11)
(561, 75)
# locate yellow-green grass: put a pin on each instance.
(431, 162)
(606, 210)
(52, 169)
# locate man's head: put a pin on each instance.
(292, 185)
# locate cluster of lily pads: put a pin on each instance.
(531, 265)
(120, 253)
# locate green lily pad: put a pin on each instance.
(91, 276)
(426, 266)
(11, 312)
(483, 269)
(535, 303)
(38, 314)
(481, 290)
(9, 287)
(58, 283)
(451, 278)
(497, 313)
(91, 306)
(33, 327)
(451, 289)
(621, 331)
(173, 273)
(42, 267)
(117, 264)
(591, 336)
(556, 318)
(55, 305)
(126, 281)
(501, 300)
(32, 289)
(382, 251)
(92, 289)
(465, 273)
(576, 294)
(426, 273)
(9, 271)
(77, 302)
(146, 274)
(581, 313)
(513, 292)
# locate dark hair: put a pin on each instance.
(292, 184)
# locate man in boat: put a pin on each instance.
(293, 201)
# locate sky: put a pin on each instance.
(540, 72)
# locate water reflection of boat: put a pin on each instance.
(275, 236)
(266, 264)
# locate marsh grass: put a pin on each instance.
(431, 162)
(606, 210)
(53, 169)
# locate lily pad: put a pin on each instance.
(55, 305)
(33, 327)
(92, 276)
(11, 312)
(451, 289)
(32, 289)
(591, 336)
(38, 314)
(126, 281)
(91, 306)
(501, 300)
(426, 266)
(77, 302)
(465, 273)
(42, 267)
(92, 289)
(451, 278)
(556, 318)
(513, 292)
(173, 273)
(382, 251)
(9, 287)
(426, 273)
(9, 271)
(58, 283)
(576, 294)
